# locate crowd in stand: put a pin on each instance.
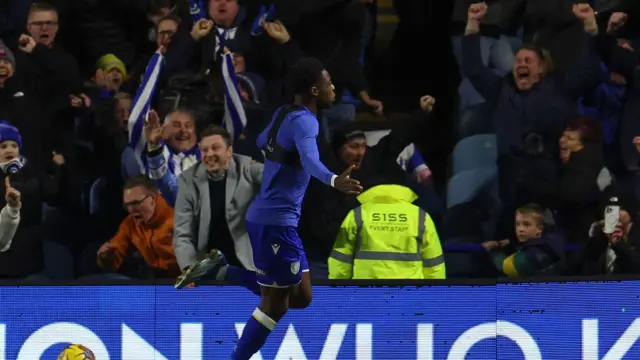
(131, 140)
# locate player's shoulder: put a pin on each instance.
(303, 119)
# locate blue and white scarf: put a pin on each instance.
(13, 166)
(410, 160)
(141, 106)
(176, 162)
(181, 161)
(235, 118)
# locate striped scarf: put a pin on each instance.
(177, 162)
(141, 106)
(235, 118)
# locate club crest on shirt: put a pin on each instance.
(295, 267)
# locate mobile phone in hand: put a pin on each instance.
(611, 218)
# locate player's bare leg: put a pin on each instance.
(302, 293)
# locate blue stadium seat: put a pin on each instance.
(96, 194)
(475, 120)
(58, 261)
(465, 185)
(478, 151)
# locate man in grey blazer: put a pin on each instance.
(213, 196)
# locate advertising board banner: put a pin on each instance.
(581, 321)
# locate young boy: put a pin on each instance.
(537, 250)
(25, 187)
(10, 162)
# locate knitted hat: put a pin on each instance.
(109, 62)
(9, 132)
(346, 134)
(6, 54)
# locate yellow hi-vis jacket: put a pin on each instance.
(387, 238)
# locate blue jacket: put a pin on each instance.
(542, 110)
(604, 104)
(533, 257)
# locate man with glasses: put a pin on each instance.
(43, 54)
(42, 23)
(54, 74)
(148, 228)
(165, 28)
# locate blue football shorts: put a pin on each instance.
(277, 254)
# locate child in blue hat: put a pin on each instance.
(26, 187)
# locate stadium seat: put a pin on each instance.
(465, 185)
(478, 151)
(58, 261)
(475, 120)
(96, 194)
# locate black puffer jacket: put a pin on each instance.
(20, 104)
(25, 256)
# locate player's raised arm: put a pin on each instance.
(306, 132)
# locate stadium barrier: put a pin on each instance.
(471, 248)
(452, 320)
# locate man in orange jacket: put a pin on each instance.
(148, 227)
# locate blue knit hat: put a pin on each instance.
(10, 132)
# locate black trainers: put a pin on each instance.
(209, 267)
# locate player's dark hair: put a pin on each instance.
(213, 130)
(304, 75)
(142, 181)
